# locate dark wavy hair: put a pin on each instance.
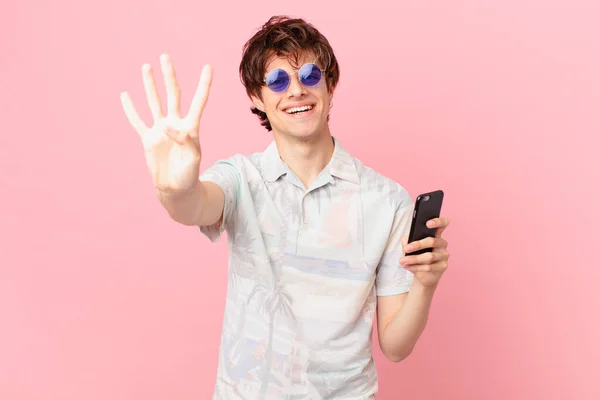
(291, 38)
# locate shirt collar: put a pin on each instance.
(342, 165)
(271, 164)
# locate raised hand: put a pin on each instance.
(171, 145)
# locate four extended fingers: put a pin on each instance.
(173, 95)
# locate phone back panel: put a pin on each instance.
(427, 206)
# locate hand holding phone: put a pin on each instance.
(427, 206)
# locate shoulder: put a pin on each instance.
(239, 161)
(377, 184)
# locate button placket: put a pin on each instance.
(305, 222)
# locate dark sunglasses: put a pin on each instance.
(309, 75)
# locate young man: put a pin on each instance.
(316, 238)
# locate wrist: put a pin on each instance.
(418, 287)
(178, 194)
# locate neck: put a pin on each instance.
(305, 157)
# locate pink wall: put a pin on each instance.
(102, 296)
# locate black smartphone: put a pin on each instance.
(427, 206)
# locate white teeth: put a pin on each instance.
(298, 109)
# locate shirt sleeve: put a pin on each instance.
(392, 278)
(226, 174)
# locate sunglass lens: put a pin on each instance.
(277, 80)
(310, 74)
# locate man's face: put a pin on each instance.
(279, 106)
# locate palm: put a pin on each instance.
(172, 165)
(171, 145)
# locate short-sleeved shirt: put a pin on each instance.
(305, 269)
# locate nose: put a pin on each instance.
(295, 89)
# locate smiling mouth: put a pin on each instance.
(298, 110)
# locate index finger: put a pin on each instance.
(439, 223)
(201, 95)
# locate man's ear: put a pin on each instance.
(258, 103)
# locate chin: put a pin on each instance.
(302, 133)
(310, 129)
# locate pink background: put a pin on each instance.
(102, 296)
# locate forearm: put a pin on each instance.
(404, 330)
(197, 206)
